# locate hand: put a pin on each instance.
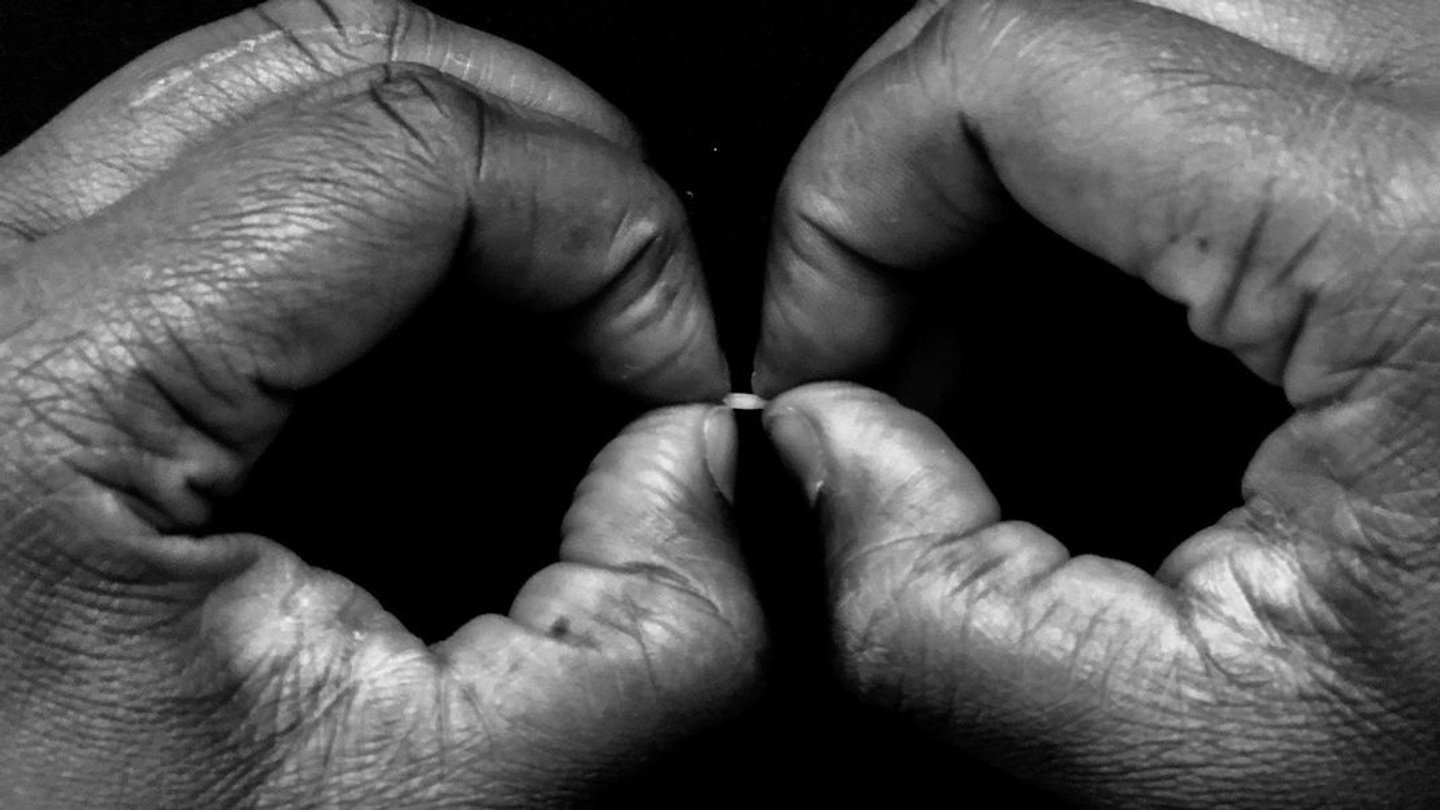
(1269, 165)
(220, 228)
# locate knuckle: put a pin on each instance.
(406, 112)
(814, 205)
(349, 20)
(429, 107)
(655, 213)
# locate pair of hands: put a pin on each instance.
(239, 215)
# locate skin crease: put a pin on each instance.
(203, 240)
(222, 227)
(1268, 164)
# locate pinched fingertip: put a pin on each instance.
(874, 469)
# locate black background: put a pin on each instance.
(435, 473)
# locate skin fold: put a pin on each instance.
(220, 228)
(240, 216)
(1271, 166)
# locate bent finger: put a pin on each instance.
(1146, 138)
(136, 123)
(268, 260)
(1136, 133)
(647, 630)
(1082, 673)
(896, 39)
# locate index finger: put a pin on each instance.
(135, 123)
(1139, 155)
(1289, 208)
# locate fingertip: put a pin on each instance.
(801, 448)
(652, 327)
(659, 493)
(650, 529)
(836, 413)
(895, 40)
(721, 450)
(805, 345)
(836, 406)
(765, 379)
(827, 312)
(782, 363)
(827, 430)
(875, 469)
(603, 243)
(830, 392)
(774, 369)
(662, 346)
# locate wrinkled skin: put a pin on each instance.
(1273, 166)
(226, 224)
(242, 214)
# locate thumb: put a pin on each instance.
(1198, 687)
(647, 629)
(295, 688)
(893, 496)
(986, 629)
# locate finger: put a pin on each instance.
(647, 630)
(1165, 157)
(237, 674)
(1252, 188)
(1266, 208)
(1084, 674)
(152, 350)
(182, 93)
(896, 39)
(272, 258)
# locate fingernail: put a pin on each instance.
(798, 440)
(720, 450)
